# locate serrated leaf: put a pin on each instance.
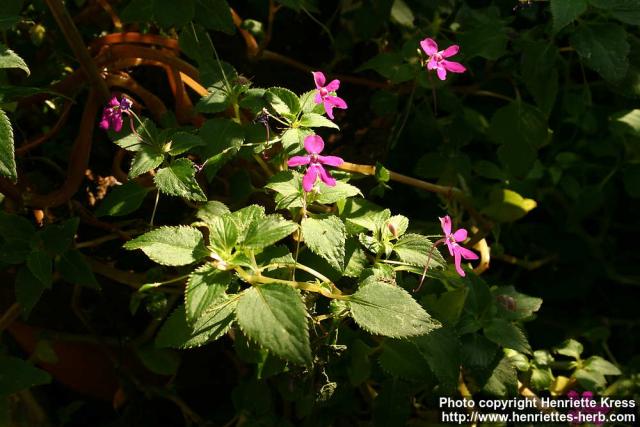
(7, 154)
(211, 209)
(223, 138)
(387, 309)
(131, 142)
(507, 334)
(214, 15)
(41, 266)
(267, 231)
(122, 200)
(391, 406)
(215, 101)
(74, 268)
(9, 59)
(214, 323)
(288, 186)
(223, 235)
(441, 349)
(326, 237)
(293, 139)
(570, 348)
(245, 217)
(503, 380)
(604, 48)
(14, 227)
(275, 317)
(627, 11)
(205, 287)
(171, 245)
(415, 249)
(314, 120)
(18, 375)
(146, 159)
(57, 238)
(401, 358)
(159, 360)
(566, 11)
(395, 227)
(283, 101)
(337, 193)
(179, 179)
(308, 104)
(28, 290)
(524, 305)
(181, 142)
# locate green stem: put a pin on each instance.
(254, 279)
(155, 207)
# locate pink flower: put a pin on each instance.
(314, 146)
(112, 113)
(323, 95)
(452, 239)
(437, 59)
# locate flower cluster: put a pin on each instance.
(314, 146)
(112, 113)
(437, 58)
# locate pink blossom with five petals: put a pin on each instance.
(112, 113)
(314, 146)
(452, 241)
(323, 96)
(437, 59)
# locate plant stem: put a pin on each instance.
(155, 207)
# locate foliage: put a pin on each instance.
(288, 282)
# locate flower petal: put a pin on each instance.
(336, 101)
(328, 107)
(313, 144)
(460, 235)
(442, 73)
(113, 102)
(298, 161)
(445, 223)
(454, 67)
(450, 51)
(310, 178)
(318, 98)
(326, 177)
(104, 124)
(466, 253)
(333, 86)
(429, 46)
(330, 160)
(451, 246)
(319, 79)
(458, 261)
(116, 122)
(432, 64)
(125, 104)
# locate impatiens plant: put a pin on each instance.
(247, 254)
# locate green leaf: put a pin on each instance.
(214, 323)
(524, 305)
(314, 120)
(74, 269)
(289, 188)
(486, 36)
(7, 154)
(245, 217)
(570, 348)
(566, 11)
(391, 406)
(159, 360)
(507, 205)
(503, 380)
(275, 317)
(507, 334)
(390, 65)
(627, 11)
(441, 349)
(214, 15)
(401, 14)
(18, 375)
(137, 11)
(216, 101)
(267, 231)
(179, 179)
(181, 142)
(223, 235)
(415, 249)
(10, 14)
(338, 192)
(211, 209)
(359, 368)
(598, 364)
(387, 309)
(326, 237)
(604, 48)
(401, 358)
(521, 130)
(9, 59)
(308, 104)
(146, 159)
(122, 200)
(205, 287)
(283, 101)
(29, 289)
(223, 139)
(57, 238)
(131, 141)
(175, 246)
(293, 139)
(540, 74)
(14, 227)
(168, 14)
(41, 266)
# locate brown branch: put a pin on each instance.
(151, 101)
(71, 33)
(30, 145)
(129, 278)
